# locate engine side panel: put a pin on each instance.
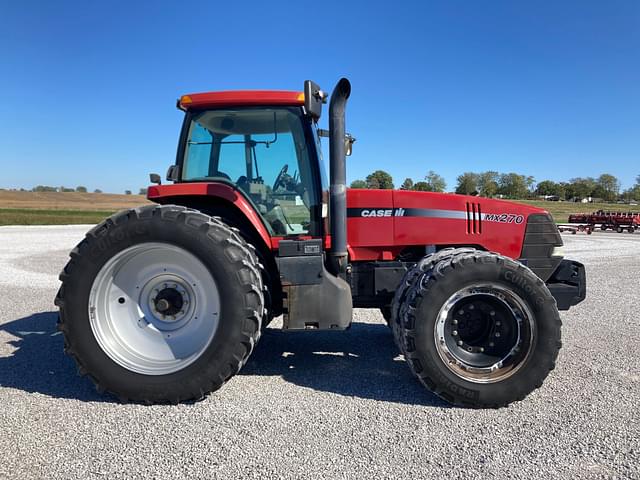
(379, 228)
(443, 219)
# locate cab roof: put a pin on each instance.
(237, 98)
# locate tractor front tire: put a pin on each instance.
(161, 304)
(478, 329)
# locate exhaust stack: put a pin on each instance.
(338, 177)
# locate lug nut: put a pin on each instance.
(498, 323)
(471, 307)
(461, 312)
(455, 322)
(497, 334)
(481, 349)
(492, 313)
(459, 342)
(491, 344)
(454, 333)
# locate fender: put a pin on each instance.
(163, 194)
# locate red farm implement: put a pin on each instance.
(618, 221)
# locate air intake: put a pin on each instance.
(474, 218)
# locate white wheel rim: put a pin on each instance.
(126, 302)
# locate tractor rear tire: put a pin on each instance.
(161, 304)
(479, 329)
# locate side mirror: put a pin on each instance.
(155, 178)
(314, 97)
(173, 173)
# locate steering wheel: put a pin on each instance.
(280, 175)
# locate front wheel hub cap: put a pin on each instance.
(484, 333)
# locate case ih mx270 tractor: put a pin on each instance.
(165, 303)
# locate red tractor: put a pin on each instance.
(165, 303)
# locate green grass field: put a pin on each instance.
(28, 216)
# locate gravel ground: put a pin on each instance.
(321, 404)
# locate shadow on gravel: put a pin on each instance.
(39, 364)
(362, 362)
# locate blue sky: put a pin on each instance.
(547, 88)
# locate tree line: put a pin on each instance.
(512, 185)
(432, 182)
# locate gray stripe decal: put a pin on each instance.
(435, 213)
(412, 212)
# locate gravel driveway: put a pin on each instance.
(321, 404)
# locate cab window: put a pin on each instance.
(264, 153)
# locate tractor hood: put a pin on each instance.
(399, 219)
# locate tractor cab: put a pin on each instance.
(267, 153)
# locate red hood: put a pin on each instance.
(398, 219)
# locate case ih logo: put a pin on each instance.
(383, 212)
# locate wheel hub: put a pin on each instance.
(482, 326)
(480, 332)
(169, 299)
